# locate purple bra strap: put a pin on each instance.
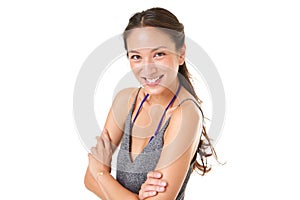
(140, 107)
(162, 117)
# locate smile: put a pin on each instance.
(155, 80)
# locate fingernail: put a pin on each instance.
(163, 183)
(161, 189)
(157, 175)
(104, 134)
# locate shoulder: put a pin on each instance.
(125, 93)
(186, 120)
(124, 98)
(187, 110)
(121, 105)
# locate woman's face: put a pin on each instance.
(154, 59)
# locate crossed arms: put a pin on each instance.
(180, 142)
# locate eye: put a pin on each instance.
(159, 54)
(135, 57)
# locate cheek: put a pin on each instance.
(170, 64)
(134, 66)
(136, 69)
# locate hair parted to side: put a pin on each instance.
(162, 18)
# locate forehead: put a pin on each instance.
(149, 37)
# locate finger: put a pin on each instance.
(105, 131)
(100, 144)
(154, 174)
(156, 188)
(145, 195)
(94, 153)
(105, 135)
(106, 141)
(91, 157)
(101, 141)
(157, 182)
(149, 194)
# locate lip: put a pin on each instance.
(154, 83)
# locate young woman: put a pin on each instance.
(158, 126)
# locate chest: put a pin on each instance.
(149, 121)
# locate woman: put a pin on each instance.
(159, 126)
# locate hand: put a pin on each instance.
(101, 154)
(152, 185)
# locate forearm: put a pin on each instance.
(107, 188)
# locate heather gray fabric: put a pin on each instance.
(132, 174)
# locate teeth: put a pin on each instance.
(152, 80)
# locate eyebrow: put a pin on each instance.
(160, 47)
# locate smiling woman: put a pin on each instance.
(153, 58)
(159, 126)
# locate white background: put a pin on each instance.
(254, 44)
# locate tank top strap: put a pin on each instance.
(195, 102)
(136, 96)
(140, 107)
(127, 131)
(134, 102)
(185, 100)
(189, 99)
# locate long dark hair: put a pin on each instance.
(162, 18)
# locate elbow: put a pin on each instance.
(87, 182)
(92, 185)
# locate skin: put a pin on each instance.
(151, 54)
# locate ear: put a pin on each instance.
(182, 55)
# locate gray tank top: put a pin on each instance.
(131, 174)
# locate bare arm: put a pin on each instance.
(106, 187)
(181, 140)
(115, 120)
(114, 125)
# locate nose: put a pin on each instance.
(149, 67)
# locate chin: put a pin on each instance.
(154, 90)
